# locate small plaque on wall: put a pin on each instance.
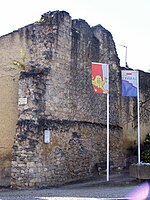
(22, 101)
(47, 136)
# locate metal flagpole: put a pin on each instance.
(138, 113)
(97, 72)
(108, 124)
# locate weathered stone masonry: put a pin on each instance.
(74, 149)
(60, 97)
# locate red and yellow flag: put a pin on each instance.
(100, 78)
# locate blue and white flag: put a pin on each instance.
(129, 83)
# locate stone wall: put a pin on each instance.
(60, 97)
(55, 92)
(72, 153)
(10, 46)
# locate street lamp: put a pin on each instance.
(126, 64)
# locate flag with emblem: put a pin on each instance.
(130, 88)
(100, 78)
(100, 82)
(129, 82)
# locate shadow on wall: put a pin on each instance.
(5, 172)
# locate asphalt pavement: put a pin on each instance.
(119, 186)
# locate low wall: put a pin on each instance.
(140, 171)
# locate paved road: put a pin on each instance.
(75, 192)
(96, 189)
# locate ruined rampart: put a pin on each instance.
(55, 94)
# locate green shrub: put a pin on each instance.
(145, 155)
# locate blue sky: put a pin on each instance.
(127, 20)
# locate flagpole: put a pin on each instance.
(125, 79)
(98, 70)
(138, 114)
(108, 126)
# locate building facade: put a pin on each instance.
(61, 123)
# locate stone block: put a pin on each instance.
(140, 171)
